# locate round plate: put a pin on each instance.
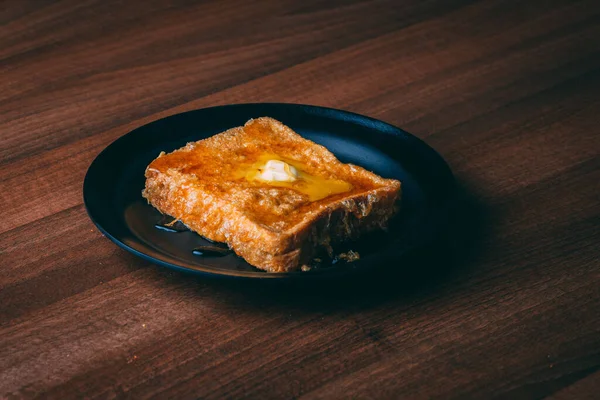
(114, 182)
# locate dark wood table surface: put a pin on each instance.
(506, 305)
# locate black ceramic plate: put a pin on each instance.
(114, 182)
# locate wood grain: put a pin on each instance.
(507, 306)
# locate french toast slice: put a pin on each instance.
(275, 198)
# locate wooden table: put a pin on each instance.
(508, 306)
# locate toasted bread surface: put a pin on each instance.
(276, 227)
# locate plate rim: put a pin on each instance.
(334, 113)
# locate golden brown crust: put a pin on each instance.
(273, 228)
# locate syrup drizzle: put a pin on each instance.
(169, 224)
(212, 250)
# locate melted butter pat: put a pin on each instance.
(292, 176)
(278, 171)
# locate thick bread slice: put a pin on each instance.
(273, 228)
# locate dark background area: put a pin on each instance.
(506, 305)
